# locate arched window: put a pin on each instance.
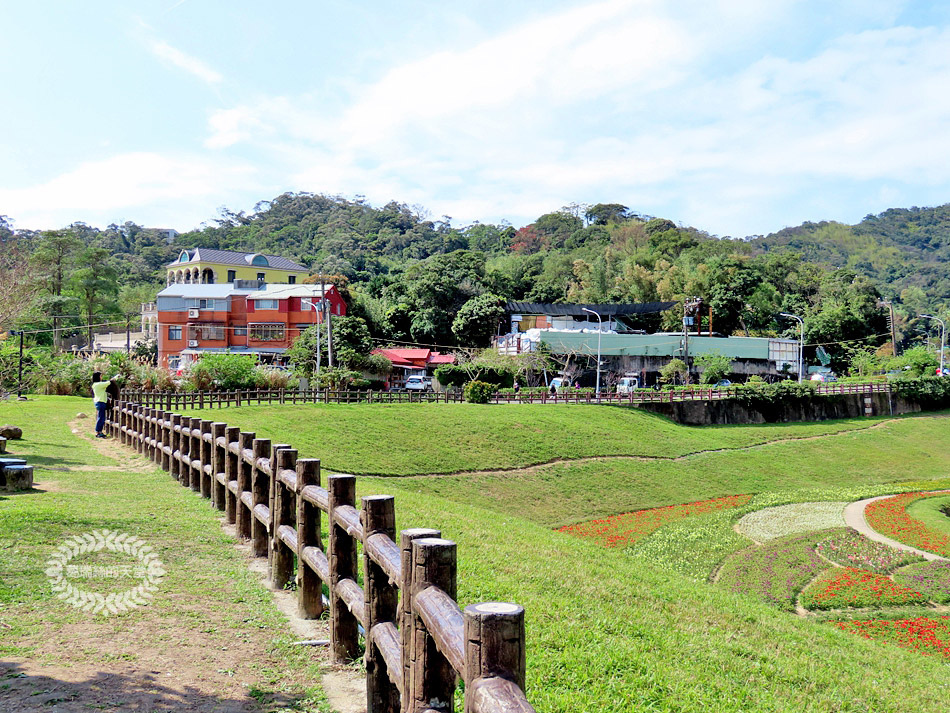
(207, 276)
(257, 259)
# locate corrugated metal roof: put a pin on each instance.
(576, 310)
(230, 257)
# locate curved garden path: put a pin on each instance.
(854, 517)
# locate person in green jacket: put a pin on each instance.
(100, 398)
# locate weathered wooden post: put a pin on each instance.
(309, 585)
(344, 631)
(272, 487)
(283, 513)
(175, 436)
(206, 450)
(261, 450)
(218, 464)
(243, 514)
(195, 452)
(431, 676)
(406, 538)
(494, 649)
(165, 432)
(381, 603)
(232, 468)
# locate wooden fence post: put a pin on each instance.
(381, 597)
(175, 442)
(406, 538)
(232, 466)
(282, 513)
(243, 514)
(207, 458)
(431, 676)
(344, 632)
(261, 450)
(194, 450)
(272, 487)
(218, 464)
(309, 585)
(494, 646)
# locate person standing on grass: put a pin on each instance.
(100, 398)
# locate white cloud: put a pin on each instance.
(183, 61)
(100, 192)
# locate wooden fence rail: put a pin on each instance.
(418, 642)
(170, 400)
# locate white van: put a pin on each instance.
(628, 384)
(418, 383)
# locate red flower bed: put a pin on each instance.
(889, 517)
(924, 635)
(625, 529)
(852, 587)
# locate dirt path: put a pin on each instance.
(642, 459)
(194, 658)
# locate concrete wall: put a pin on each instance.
(819, 408)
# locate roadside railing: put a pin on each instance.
(418, 642)
(172, 400)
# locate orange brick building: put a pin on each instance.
(244, 316)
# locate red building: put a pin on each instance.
(243, 317)
(412, 362)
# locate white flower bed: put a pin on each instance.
(767, 524)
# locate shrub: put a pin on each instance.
(269, 377)
(459, 374)
(479, 392)
(224, 372)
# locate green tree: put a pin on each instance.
(714, 367)
(95, 281)
(673, 370)
(478, 319)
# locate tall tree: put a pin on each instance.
(96, 283)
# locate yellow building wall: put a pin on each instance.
(245, 272)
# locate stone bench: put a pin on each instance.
(3, 444)
(18, 477)
(11, 462)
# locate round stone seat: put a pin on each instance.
(17, 477)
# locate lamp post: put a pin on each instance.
(801, 343)
(943, 338)
(599, 333)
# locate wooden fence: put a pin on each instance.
(170, 400)
(418, 642)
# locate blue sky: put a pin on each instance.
(739, 117)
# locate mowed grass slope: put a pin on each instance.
(409, 439)
(608, 631)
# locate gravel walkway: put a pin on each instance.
(854, 517)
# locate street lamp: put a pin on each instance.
(599, 333)
(801, 343)
(943, 338)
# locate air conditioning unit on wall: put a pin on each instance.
(192, 342)
(193, 314)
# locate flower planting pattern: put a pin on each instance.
(889, 517)
(930, 578)
(852, 549)
(784, 520)
(923, 634)
(852, 587)
(628, 528)
(776, 571)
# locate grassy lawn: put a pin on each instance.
(929, 511)
(212, 626)
(621, 629)
(407, 439)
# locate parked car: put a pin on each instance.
(418, 383)
(558, 383)
(723, 383)
(824, 378)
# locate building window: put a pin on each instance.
(203, 303)
(174, 332)
(240, 331)
(174, 362)
(206, 332)
(266, 332)
(260, 277)
(232, 275)
(266, 304)
(292, 280)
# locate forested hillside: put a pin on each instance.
(420, 280)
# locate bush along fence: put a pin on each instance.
(418, 642)
(170, 400)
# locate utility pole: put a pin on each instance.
(690, 307)
(19, 388)
(943, 338)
